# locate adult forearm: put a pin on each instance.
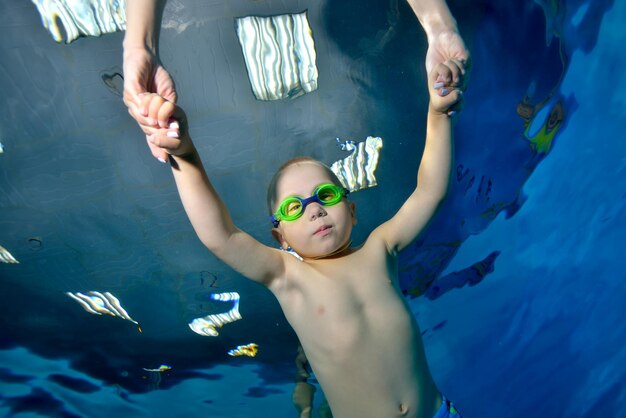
(205, 209)
(143, 24)
(433, 175)
(434, 16)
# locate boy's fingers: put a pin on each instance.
(456, 108)
(457, 104)
(165, 113)
(457, 96)
(452, 100)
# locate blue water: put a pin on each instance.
(540, 333)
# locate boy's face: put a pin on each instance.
(321, 230)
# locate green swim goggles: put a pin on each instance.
(293, 207)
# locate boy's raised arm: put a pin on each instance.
(205, 209)
(434, 171)
(215, 228)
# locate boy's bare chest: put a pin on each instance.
(348, 296)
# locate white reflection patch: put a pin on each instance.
(101, 303)
(356, 171)
(81, 17)
(6, 257)
(280, 55)
(207, 325)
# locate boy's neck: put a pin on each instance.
(338, 252)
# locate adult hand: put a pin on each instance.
(144, 73)
(445, 98)
(447, 45)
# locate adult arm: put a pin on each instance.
(143, 70)
(444, 40)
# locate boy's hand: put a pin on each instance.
(174, 139)
(444, 86)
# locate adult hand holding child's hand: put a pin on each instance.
(444, 82)
(173, 139)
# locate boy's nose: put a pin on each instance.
(316, 211)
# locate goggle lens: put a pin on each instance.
(291, 207)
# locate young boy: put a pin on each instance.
(343, 302)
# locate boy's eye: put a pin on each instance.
(292, 208)
(326, 195)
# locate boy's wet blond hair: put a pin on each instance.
(271, 189)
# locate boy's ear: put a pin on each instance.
(278, 236)
(352, 207)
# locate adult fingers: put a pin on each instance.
(165, 140)
(457, 106)
(158, 153)
(133, 110)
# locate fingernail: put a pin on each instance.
(172, 134)
(174, 125)
(162, 160)
(451, 113)
(444, 91)
(438, 85)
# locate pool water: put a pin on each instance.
(518, 284)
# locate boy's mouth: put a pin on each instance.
(322, 230)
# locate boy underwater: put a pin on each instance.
(343, 302)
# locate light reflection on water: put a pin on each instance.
(81, 18)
